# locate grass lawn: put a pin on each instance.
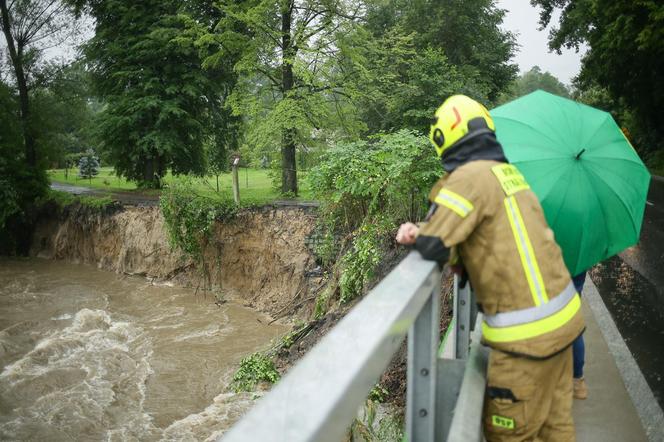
(255, 184)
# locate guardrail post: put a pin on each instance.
(462, 314)
(423, 339)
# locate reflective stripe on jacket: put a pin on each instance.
(486, 210)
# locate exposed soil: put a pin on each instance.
(259, 258)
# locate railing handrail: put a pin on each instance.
(319, 397)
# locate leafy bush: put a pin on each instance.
(189, 217)
(254, 369)
(364, 255)
(367, 188)
(656, 162)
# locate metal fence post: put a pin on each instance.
(462, 308)
(423, 339)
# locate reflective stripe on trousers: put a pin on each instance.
(532, 321)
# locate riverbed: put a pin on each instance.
(87, 354)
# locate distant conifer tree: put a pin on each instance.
(88, 165)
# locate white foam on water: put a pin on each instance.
(62, 317)
(113, 359)
(162, 283)
(212, 422)
(211, 331)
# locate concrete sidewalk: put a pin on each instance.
(611, 412)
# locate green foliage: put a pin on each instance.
(286, 61)
(656, 163)
(378, 393)
(395, 84)
(147, 67)
(10, 201)
(389, 428)
(624, 56)
(468, 31)
(254, 369)
(20, 184)
(63, 113)
(10, 141)
(189, 217)
(359, 263)
(322, 303)
(367, 188)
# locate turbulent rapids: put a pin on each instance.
(91, 355)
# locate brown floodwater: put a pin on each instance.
(92, 355)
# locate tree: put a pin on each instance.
(531, 81)
(223, 142)
(467, 31)
(146, 67)
(403, 61)
(88, 165)
(10, 164)
(286, 49)
(626, 54)
(29, 27)
(63, 113)
(394, 85)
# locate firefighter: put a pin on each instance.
(485, 217)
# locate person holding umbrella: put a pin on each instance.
(585, 173)
(485, 216)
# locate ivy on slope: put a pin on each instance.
(367, 188)
(190, 217)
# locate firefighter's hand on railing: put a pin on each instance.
(407, 233)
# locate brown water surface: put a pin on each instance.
(92, 355)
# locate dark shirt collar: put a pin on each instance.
(480, 145)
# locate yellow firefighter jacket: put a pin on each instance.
(486, 213)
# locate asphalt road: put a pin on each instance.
(647, 257)
(632, 288)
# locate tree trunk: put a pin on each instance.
(152, 172)
(16, 56)
(288, 165)
(288, 172)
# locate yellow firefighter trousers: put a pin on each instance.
(529, 400)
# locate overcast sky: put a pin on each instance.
(522, 19)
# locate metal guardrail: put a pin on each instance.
(319, 397)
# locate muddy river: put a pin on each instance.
(92, 355)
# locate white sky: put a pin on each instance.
(523, 20)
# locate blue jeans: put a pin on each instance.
(578, 346)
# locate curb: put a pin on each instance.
(649, 411)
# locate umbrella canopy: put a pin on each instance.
(587, 176)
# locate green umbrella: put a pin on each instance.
(590, 181)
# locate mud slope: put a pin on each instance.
(259, 258)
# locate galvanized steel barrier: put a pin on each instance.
(319, 397)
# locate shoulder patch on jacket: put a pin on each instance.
(510, 179)
(455, 202)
